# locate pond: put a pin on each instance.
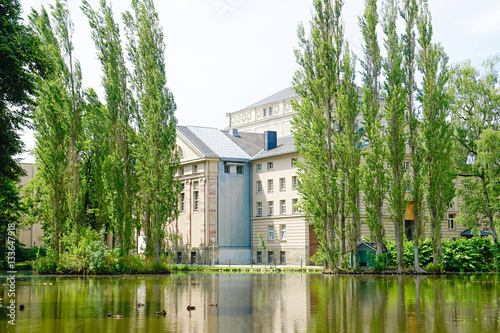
(293, 302)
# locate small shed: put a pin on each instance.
(469, 233)
(367, 252)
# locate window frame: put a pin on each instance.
(283, 232)
(259, 208)
(259, 186)
(283, 207)
(270, 165)
(270, 208)
(283, 184)
(270, 185)
(196, 200)
(270, 235)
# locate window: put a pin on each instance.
(259, 257)
(196, 185)
(239, 169)
(406, 166)
(451, 221)
(259, 208)
(450, 206)
(282, 184)
(182, 171)
(283, 257)
(270, 257)
(193, 257)
(283, 207)
(295, 205)
(294, 161)
(283, 232)
(271, 232)
(181, 153)
(196, 200)
(182, 202)
(270, 165)
(227, 169)
(270, 204)
(264, 111)
(195, 169)
(271, 110)
(294, 182)
(270, 185)
(179, 257)
(259, 186)
(259, 167)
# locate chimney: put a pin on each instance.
(270, 140)
(233, 131)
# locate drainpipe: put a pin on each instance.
(207, 212)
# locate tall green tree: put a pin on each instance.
(476, 109)
(436, 129)
(348, 146)
(51, 126)
(118, 164)
(409, 13)
(317, 83)
(394, 114)
(20, 63)
(373, 177)
(157, 158)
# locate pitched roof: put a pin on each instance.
(212, 142)
(285, 145)
(277, 97)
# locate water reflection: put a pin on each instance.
(257, 303)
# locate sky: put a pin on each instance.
(223, 55)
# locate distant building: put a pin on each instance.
(30, 236)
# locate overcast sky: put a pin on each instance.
(222, 55)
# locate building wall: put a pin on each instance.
(30, 235)
(234, 204)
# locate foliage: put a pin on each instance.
(436, 129)
(317, 83)
(373, 182)
(394, 114)
(462, 255)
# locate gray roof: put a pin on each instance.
(212, 142)
(285, 146)
(277, 97)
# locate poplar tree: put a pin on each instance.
(118, 163)
(476, 110)
(157, 158)
(410, 14)
(394, 114)
(317, 83)
(51, 126)
(348, 145)
(436, 130)
(373, 180)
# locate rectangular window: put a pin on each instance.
(195, 169)
(196, 200)
(227, 169)
(270, 165)
(294, 161)
(271, 207)
(406, 166)
(282, 184)
(264, 111)
(259, 208)
(193, 257)
(270, 257)
(294, 182)
(295, 205)
(259, 257)
(270, 185)
(283, 232)
(182, 171)
(271, 110)
(271, 232)
(283, 257)
(179, 257)
(259, 186)
(259, 167)
(450, 206)
(182, 202)
(283, 207)
(451, 221)
(239, 169)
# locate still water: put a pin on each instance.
(290, 302)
